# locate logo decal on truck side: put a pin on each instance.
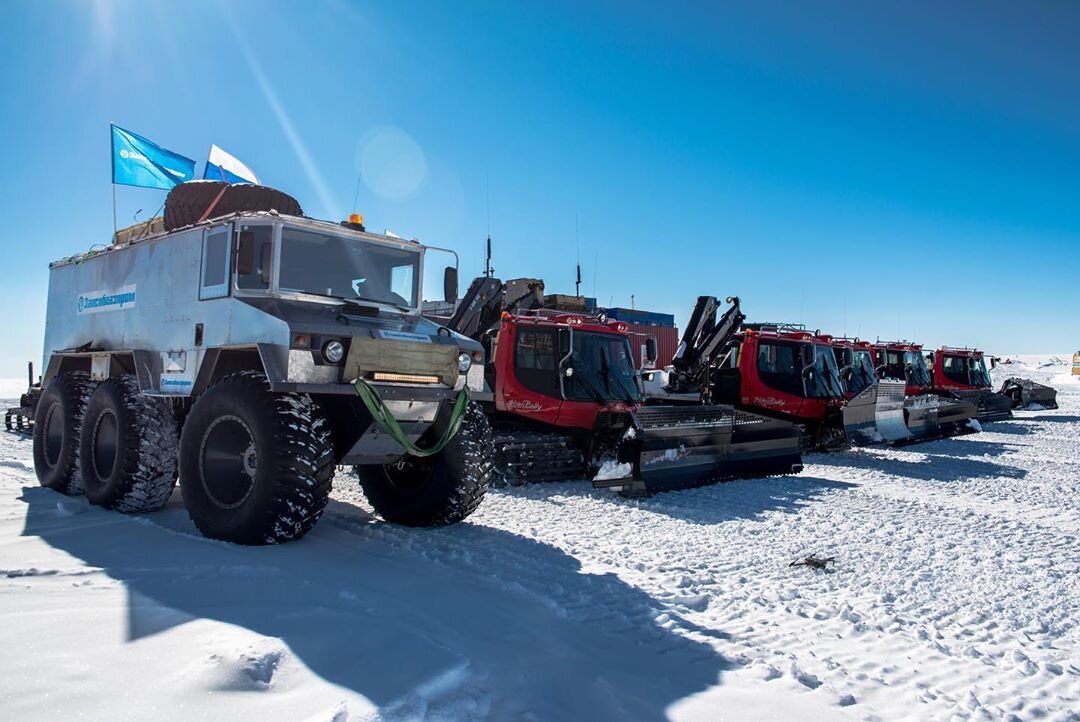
(178, 386)
(101, 301)
(523, 405)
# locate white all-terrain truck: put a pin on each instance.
(250, 351)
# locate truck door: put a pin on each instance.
(532, 388)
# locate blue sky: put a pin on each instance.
(896, 170)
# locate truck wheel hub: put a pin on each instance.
(250, 460)
(227, 462)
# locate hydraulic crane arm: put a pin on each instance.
(704, 338)
(486, 299)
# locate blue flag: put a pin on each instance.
(137, 161)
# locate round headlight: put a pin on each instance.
(333, 351)
(464, 363)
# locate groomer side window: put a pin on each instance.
(215, 263)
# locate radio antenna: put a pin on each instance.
(577, 244)
(488, 270)
(356, 195)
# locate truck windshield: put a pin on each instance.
(330, 265)
(863, 371)
(979, 374)
(967, 370)
(825, 382)
(603, 369)
(891, 364)
(856, 369)
(918, 373)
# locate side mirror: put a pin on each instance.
(450, 284)
(650, 350)
(245, 252)
(265, 262)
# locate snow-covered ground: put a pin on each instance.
(955, 594)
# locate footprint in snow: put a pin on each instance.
(252, 670)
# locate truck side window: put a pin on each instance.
(215, 264)
(254, 253)
(780, 367)
(536, 363)
(953, 366)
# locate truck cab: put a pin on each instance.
(787, 373)
(854, 358)
(313, 304)
(959, 369)
(563, 369)
(903, 361)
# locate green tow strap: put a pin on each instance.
(389, 425)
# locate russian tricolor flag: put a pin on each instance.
(224, 167)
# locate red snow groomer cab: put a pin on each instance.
(562, 395)
(855, 359)
(825, 385)
(926, 415)
(961, 373)
(789, 373)
(778, 371)
(903, 361)
(866, 419)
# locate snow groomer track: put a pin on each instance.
(954, 594)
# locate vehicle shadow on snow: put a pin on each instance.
(463, 621)
(743, 499)
(1063, 419)
(1009, 427)
(965, 447)
(930, 467)
(714, 504)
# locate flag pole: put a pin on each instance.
(112, 164)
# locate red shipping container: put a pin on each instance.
(667, 342)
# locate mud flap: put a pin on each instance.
(678, 447)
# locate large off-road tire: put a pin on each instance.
(187, 202)
(255, 466)
(437, 490)
(128, 448)
(57, 422)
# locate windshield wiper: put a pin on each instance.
(605, 368)
(597, 395)
(359, 301)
